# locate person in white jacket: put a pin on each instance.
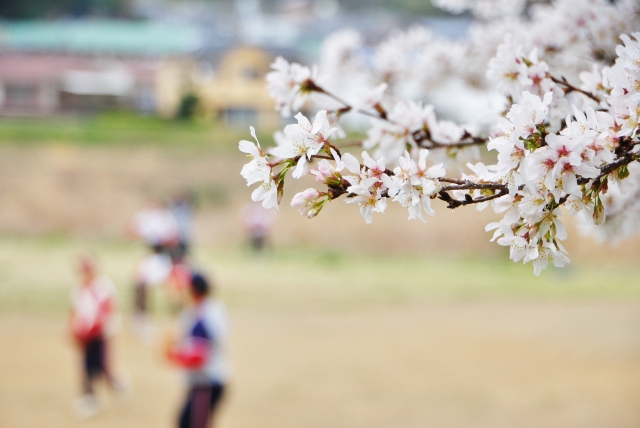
(201, 351)
(93, 320)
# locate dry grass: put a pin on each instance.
(94, 191)
(37, 274)
(342, 324)
(323, 338)
(447, 365)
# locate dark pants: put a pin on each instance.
(258, 241)
(140, 299)
(94, 361)
(201, 405)
(179, 251)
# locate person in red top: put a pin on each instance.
(92, 321)
(178, 282)
(201, 352)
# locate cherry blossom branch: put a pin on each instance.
(468, 199)
(419, 136)
(339, 189)
(605, 170)
(310, 85)
(471, 185)
(570, 88)
(503, 189)
(467, 140)
(626, 159)
(349, 144)
(545, 159)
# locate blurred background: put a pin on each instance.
(106, 105)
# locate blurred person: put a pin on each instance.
(156, 226)
(258, 222)
(93, 321)
(201, 352)
(152, 271)
(182, 207)
(179, 280)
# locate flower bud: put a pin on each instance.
(599, 215)
(324, 173)
(622, 172)
(300, 200)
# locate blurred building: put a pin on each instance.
(85, 66)
(216, 53)
(228, 84)
(237, 91)
(80, 66)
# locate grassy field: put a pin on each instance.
(123, 129)
(341, 324)
(343, 339)
(37, 272)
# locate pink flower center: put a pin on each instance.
(562, 152)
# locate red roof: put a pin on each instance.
(29, 68)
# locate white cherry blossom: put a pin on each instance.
(267, 192)
(305, 140)
(258, 168)
(509, 69)
(566, 134)
(367, 196)
(286, 85)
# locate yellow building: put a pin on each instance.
(235, 92)
(173, 81)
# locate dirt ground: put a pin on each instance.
(322, 339)
(95, 191)
(457, 364)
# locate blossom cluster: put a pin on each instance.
(412, 183)
(565, 136)
(543, 169)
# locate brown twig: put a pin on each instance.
(380, 113)
(455, 203)
(349, 144)
(570, 88)
(470, 185)
(424, 135)
(312, 86)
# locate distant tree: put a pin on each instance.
(42, 9)
(417, 7)
(188, 106)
